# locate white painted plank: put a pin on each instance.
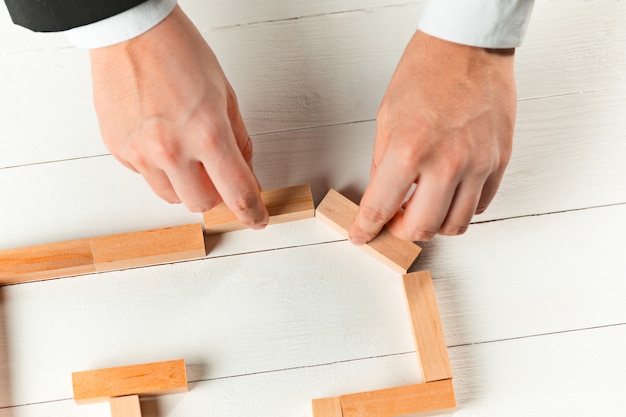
(211, 14)
(15, 39)
(563, 374)
(531, 275)
(208, 13)
(568, 154)
(572, 46)
(318, 304)
(320, 70)
(46, 111)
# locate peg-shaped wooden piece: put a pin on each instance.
(128, 406)
(148, 247)
(48, 261)
(327, 407)
(430, 342)
(145, 380)
(428, 399)
(283, 205)
(338, 212)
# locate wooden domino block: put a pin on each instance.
(430, 342)
(143, 380)
(327, 407)
(283, 205)
(128, 406)
(431, 398)
(338, 212)
(148, 247)
(40, 262)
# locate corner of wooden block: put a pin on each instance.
(47, 261)
(150, 379)
(283, 205)
(427, 399)
(338, 212)
(327, 407)
(148, 247)
(127, 406)
(430, 342)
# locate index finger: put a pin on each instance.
(237, 185)
(390, 183)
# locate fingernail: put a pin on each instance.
(259, 226)
(358, 241)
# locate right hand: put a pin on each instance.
(167, 111)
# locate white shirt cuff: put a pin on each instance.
(484, 23)
(123, 26)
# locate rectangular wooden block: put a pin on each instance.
(283, 205)
(47, 261)
(430, 342)
(327, 407)
(148, 247)
(428, 399)
(338, 212)
(128, 406)
(144, 380)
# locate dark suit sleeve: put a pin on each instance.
(59, 15)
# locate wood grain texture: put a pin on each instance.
(430, 342)
(327, 407)
(283, 205)
(127, 406)
(46, 261)
(148, 247)
(147, 380)
(338, 212)
(431, 398)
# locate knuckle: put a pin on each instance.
(208, 139)
(136, 156)
(421, 235)
(453, 230)
(249, 206)
(246, 149)
(373, 215)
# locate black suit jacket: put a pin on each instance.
(59, 15)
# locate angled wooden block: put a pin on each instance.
(47, 261)
(327, 407)
(143, 380)
(148, 247)
(430, 342)
(283, 205)
(338, 212)
(128, 406)
(428, 399)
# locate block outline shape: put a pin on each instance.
(338, 212)
(340, 220)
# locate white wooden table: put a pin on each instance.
(532, 298)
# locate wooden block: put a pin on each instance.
(40, 262)
(431, 398)
(327, 407)
(144, 380)
(338, 212)
(148, 247)
(430, 342)
(128, 406)
(283, 205)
